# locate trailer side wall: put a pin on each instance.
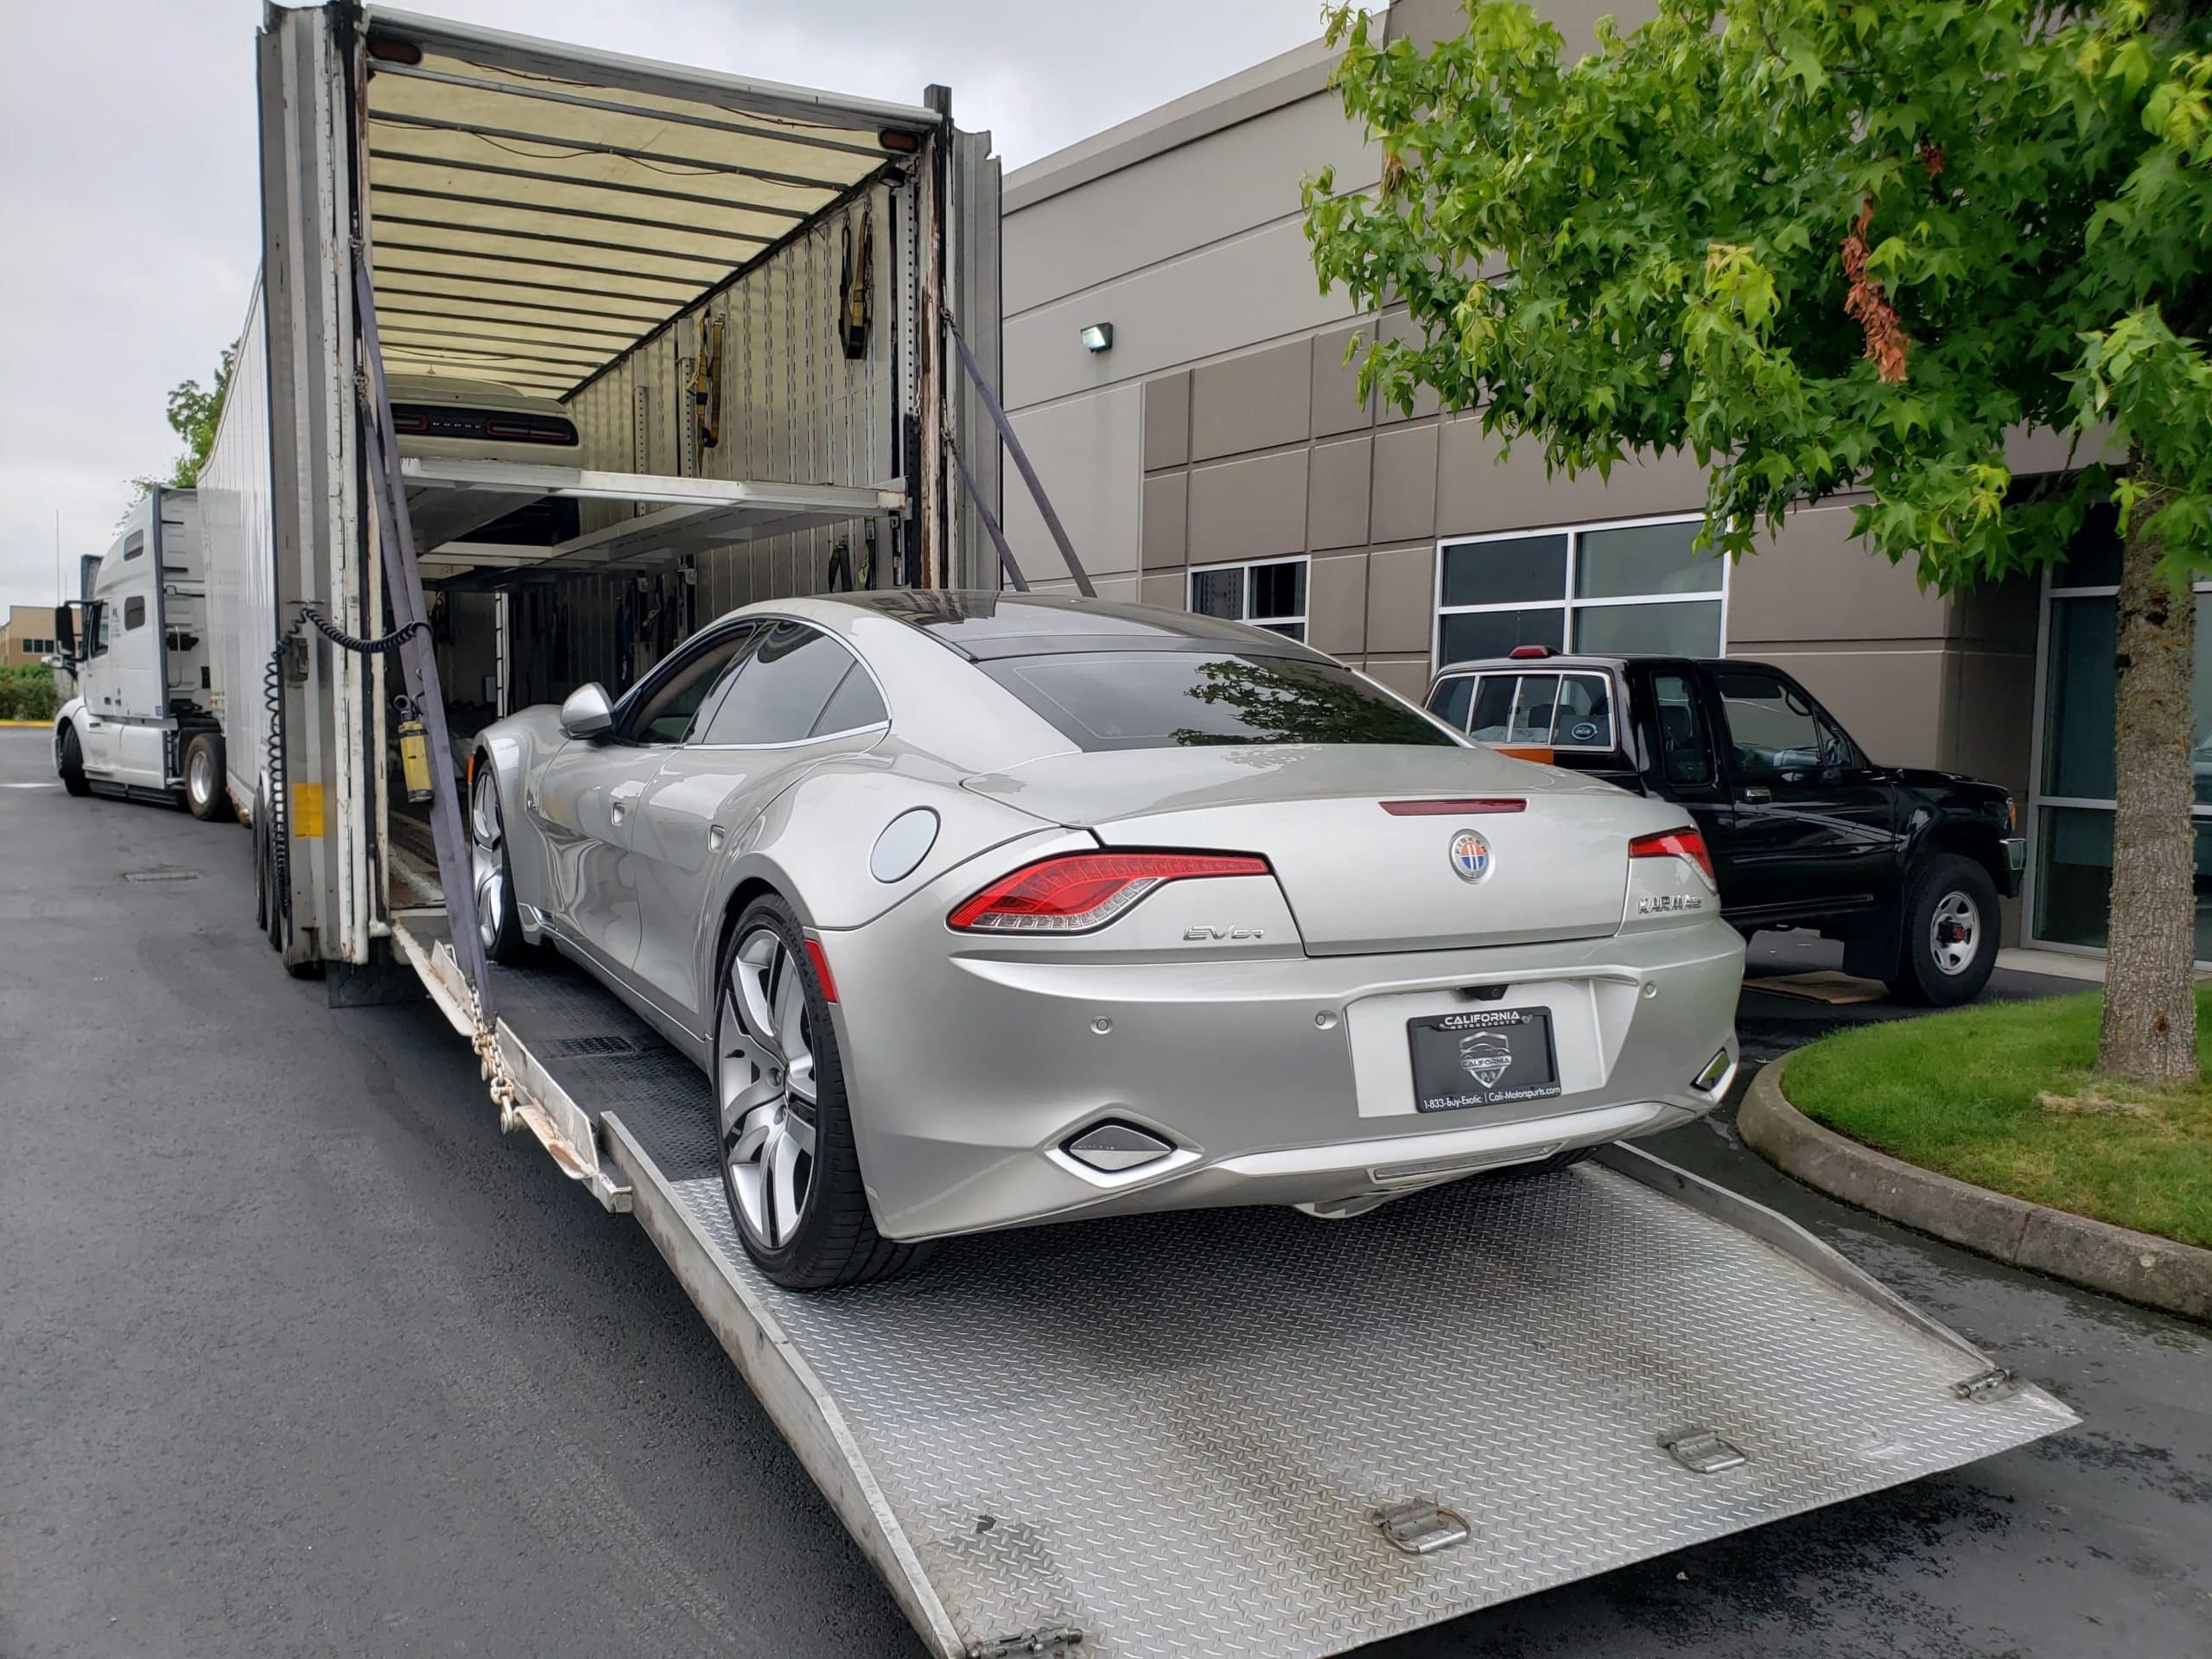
(240, 557)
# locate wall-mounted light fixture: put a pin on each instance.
(1098, 337)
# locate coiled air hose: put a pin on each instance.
(272, 696)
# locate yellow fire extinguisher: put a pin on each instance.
(414, 750)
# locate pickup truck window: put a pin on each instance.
(1772, 726)
(1559, 711)
(1451, 700)
(1685, 745)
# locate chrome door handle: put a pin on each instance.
(716, 838)
(1757, 794)
(618, 811)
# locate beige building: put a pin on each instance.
(28, 635)
(1215, 455)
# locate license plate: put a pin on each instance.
(1482, 1056)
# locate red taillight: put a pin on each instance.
(1453, 809)
(1079, 892)
(1676, 843)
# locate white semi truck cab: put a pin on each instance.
(143, 722)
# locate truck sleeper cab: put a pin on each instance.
(142, 724)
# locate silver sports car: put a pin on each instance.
(984, 909)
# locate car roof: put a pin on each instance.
(981, 624)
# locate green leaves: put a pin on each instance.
(1645, 248)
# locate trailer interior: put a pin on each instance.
(707, 287)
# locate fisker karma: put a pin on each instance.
(982, 909)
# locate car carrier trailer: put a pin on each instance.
(1246, 1432)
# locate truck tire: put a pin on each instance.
(1947, 945)
(499, 918)
(207, 793)
(69, 760)
(790, 1168)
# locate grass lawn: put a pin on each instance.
(2001, 1095)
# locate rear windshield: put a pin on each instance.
(1166, 700)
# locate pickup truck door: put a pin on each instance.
(1812, 826)
(1686, 759)
(584, 800)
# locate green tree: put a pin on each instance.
(194, 411)
(1841, 245)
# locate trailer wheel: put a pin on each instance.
(69, 759)
(206, 793)
(497, 919)
(789, 1165)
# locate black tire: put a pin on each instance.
(69, 760)
(207, 793)
(1947, 934)
(499, 919)
(833, 1240)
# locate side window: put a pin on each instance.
(133, 545)
(1685, 746)
(854, 706)
(782, 690)
(1772, 726)
(668, 704)
(1451, 701)
(134, 611)
(96, 628)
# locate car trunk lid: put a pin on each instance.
(1367, 840)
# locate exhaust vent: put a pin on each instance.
(1116, 1148)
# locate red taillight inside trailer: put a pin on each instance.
(1676, 843)
(1079, 892)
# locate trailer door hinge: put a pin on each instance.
(1053, 1639)
(1995, 1383)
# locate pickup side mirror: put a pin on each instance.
(587, 713)
(65, 630)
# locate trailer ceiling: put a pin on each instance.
(537, 210)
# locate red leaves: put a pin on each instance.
(1869, 305)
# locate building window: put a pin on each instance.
(1621, 589)
(1270, 594)
(2071, 821)
(37, 647)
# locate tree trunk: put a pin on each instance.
(2149, 1030)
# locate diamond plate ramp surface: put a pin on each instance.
(1171, 1432)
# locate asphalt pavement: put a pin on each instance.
(299, 1356)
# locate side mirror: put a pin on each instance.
(65, 630)
(587, 713)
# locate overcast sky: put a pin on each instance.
(128, 185)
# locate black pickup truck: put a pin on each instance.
(1903, 866)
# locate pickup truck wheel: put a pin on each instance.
(789, 1165)
(206, 794)
(69, 761)
(497, 922)
(1949, 944)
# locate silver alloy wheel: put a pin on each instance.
(487, 864)
(764, 1082)
(200, 775)
(1954, 933)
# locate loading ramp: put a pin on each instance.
(1194, 1433)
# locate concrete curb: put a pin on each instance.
(2139, 1267)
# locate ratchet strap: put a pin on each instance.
(417, 659)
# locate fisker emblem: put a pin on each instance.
(1487, 1056)
(1469, 855)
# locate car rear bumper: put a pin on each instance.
(1274, 1078)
